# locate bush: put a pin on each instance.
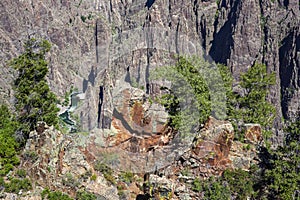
(54, 195)
(213, 188)
(283, 176)
(94, 177)
(253, 107)
(233, 184)
(15, 185)
(197, 186)
(240, 183)
(126, 177)
(189, 86)
(70, 181)
(30, 156)
(21, 173)
(84, 195)
(106, 171)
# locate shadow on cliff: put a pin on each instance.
(149, 3)
(223, 40)
(287, 69)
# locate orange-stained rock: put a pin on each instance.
(253, 133)
(213, 145)
(140, 126)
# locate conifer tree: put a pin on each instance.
(34, 100)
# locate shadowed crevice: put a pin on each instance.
(149, 3)
(223, 40)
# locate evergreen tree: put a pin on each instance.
(8, 145)
(187, 100)
(34, 100)
(253, 106)
(283, 178)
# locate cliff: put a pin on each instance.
(97, 42)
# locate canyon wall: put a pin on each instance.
(100, 44)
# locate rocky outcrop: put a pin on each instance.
(213, 151)
(72, 162)
(54, 160)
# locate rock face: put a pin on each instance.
(70, 162)
(213, 151)
(96, 43)
(56, 161)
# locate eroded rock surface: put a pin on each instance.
(67, 162)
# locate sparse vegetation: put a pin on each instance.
(185, 172)
(54, 195)
(70, 181)
(278, 179)
(106, 171)
(127, 177)
(84, 195)
(21, 173)
(30, 156)
(94, 177)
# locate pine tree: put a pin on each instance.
(34, 100)
(283, 177)
(8, 145)
(253, 106)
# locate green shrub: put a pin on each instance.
(15, 185)
(253, 107)
(2, 183)
(84, 195)
(212, 188)
(188, 86)
(186, 172)
(126, 177)
(30, 156)
(21, 173)
(240, 183)
(282, 177)
(54, 195)
(86, 175)
(196, 185)
(70, 181)
(83, 18)
(94, 177)
(106, 171)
